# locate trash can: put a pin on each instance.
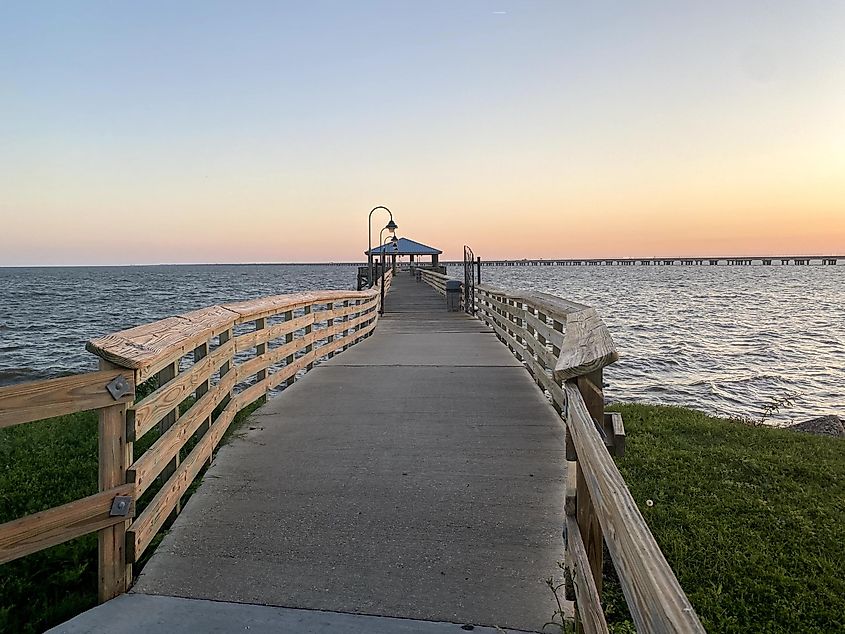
(453, 295)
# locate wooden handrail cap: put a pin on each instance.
(587, 346)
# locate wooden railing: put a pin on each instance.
(434, 279)
(199, 370)
(565, 346)
(106, 512)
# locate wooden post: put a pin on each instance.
(309, 347)
(288, 339)
(165, 376)
(478, 268)
(570, 449)
(260, 349)
(224, 369)
(200, 352)
(115, 455)
(591, 390)
(540, 339)
(345, 319)
(329, 324)
(224, 337)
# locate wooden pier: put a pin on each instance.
(414, 474)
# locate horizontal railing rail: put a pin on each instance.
(109, 392)
(565, 346)
(197, 371)
(434, 279)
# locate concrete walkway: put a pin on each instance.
(419, 475)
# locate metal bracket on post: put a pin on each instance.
(120, 506)
(119, 387)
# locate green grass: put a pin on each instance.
(751, 519)
(44, 464)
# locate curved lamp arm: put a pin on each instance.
(370, 238)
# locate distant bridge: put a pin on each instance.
(774, 260)
(779, 260)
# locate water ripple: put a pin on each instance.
(727, 340)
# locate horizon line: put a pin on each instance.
(444, 260)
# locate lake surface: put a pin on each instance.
(727, 340)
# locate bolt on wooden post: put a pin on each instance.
(115, 455)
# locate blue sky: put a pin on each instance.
(189, 119)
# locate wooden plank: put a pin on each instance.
(275, 305)
(655, 598)
(145, 469)
(351, 338)
(253, 392)
(37, 400)
(338, 312)
(166, 375)
(555, 390)
(309, 347)
(44, 529)
(345, 320)
(250, 340)
(590, 614)
(152, 518)
(166, 398)
(225, 337)
(260, 349)
(587, 346)
(513, 344)
(571, 502)
(288, 340)
(544, 329)
(330, 326)
(549, 304)
(589, 524)
(546, 358)
(249, 368)
(113, 575)
(558, 327)
(591, 386)
(202, 389)
(615, 430)
(150, 347)
(588, 521)
(140, 346)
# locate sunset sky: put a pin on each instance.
(161, 132)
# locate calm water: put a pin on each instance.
(727, 340)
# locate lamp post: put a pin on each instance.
(391, 226)
(392, 229)
(395, 242)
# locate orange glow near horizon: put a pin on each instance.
(547, 131)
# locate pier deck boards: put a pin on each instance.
(418, 475)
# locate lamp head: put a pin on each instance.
(391, 226)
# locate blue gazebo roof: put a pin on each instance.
(406, 247)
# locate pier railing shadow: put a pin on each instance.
(565, 346)
(196, 371)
